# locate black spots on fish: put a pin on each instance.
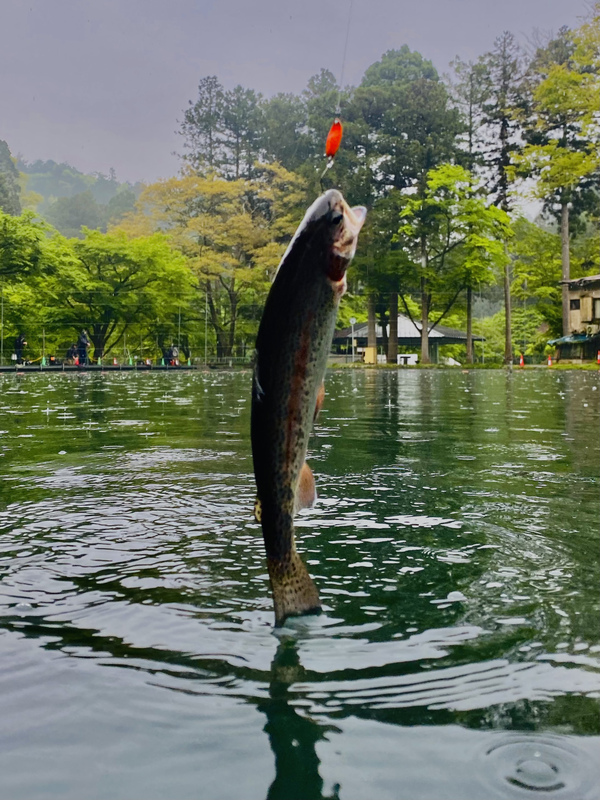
(294, 592)
(257, 510)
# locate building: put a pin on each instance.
(409, 335)
(582, 342)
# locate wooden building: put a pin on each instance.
(582, 341)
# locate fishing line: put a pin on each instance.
(338, 109)
(334, 137)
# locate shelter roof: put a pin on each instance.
(409, 332)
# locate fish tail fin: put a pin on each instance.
(294, 592)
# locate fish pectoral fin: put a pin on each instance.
(306, 491)
(320, 399)
(257, 510)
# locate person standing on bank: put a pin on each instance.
(82, 348)
(20, 344)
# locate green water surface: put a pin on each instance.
(455, 544)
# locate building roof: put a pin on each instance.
(574, 338)
(582, 283)
(409, 333)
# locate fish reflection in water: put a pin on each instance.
(293, 737)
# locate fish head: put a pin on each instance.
(341, 225)
(329, 231)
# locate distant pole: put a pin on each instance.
(206, 328)
(43, 346)
(179, 329)
(352, 322)
(524, 319)
(2, 328)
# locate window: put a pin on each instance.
(596, 307)
(575, 304)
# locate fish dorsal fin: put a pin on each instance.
(306, 491)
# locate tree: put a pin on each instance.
(562, 131)
(454, 241)
(202, 127)
(234, 234)
(536, 253)
(70, 215)
(10, 190)
(412, 124)
(242, 126)
(109, 281)
(504, 69)
(22, 241)
(400, 126)
(285, 136)
(470, 91)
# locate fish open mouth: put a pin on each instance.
(345, 239)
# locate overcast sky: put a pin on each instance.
(102, 83)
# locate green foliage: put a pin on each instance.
(10, 189)
(453, 238)
(22, 241)
(110, 281)
(70, 215)
(563, 153)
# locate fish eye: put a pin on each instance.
(336, 217)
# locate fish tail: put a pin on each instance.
(294, 592)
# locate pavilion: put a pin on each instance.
(409, 335)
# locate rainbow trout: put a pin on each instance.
(292, 346)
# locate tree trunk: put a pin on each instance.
(392, 350)
(424, 323)
(469, 325)
(566, 266)
(371, 325)
(97, 335)
(221, 339)
(383, 326)
(508, 354)
(424, 305)
(233, 306)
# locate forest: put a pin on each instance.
(481, 188)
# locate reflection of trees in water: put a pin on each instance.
(292, 737)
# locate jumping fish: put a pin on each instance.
(292, 346)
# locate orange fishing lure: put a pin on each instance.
(334, 138)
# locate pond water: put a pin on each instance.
(455, 545)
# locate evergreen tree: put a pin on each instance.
(408, 127)
(505, 67)
(285, 133)
(202, 127)
(242, 128)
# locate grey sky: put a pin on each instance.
(102, 83)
